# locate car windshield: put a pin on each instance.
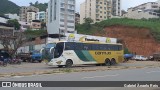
(50, 45)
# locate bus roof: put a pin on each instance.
(93, 42)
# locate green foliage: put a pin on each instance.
(152, 24)
(126, 51)
(14, 23)
(8, 7)
(41, 6)
(32, 34)
(88, 20)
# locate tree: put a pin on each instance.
(36, 3)
(14, 23)
(88, 20)
(12, 43)
(30, 3)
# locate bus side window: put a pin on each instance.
(95, 47)
(78, 46)
(119, 47)
(69, 46)
(87, 47)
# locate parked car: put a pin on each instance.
(31, 57)
(156, 56)
(140, 58)
(128, 56)
(36, 56)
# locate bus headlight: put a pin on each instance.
(59, 62)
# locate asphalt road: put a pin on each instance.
(33, 67)
(145, 74)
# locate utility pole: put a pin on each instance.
(59, 35)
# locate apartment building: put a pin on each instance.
(116, 7)
(31, 15)
(24, 11)
(99, 10)
(146, 10)
(41, 16)
(61, 16)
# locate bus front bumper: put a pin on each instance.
(56, 63)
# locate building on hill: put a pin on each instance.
(12, 16)
(61, 16)
(24, 10)
(99, 10)
(24, 25)
(3, 19)
(41, 16)
(146, 10)
(36, 25)
(116, 7)
(31, 15)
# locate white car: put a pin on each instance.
(140, 58)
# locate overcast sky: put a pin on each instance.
(125, 3)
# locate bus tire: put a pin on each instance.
(69, 63)
(107, 62)
(113, 61)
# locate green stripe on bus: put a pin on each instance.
(88, 56)
(81, 55)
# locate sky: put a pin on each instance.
(125, 3)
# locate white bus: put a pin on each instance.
(79, 53)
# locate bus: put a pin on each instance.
(84, 53)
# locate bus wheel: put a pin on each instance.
(69, 63)
(107, 62)
(113, 61)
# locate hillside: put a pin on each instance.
(41, 6)
(8, 7)
(139, 36)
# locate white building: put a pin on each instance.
(31, 16)
(24, 25)
(41, 16)
(12, 16)
(24, 10)
(99, 10)
(146, 10)
(3, 19)
(61, 16)
(116, 7)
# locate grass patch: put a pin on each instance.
(152, 24)
(66, 70)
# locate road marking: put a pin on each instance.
(153, 72)
(101, 76)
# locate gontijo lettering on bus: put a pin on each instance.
(102, 53)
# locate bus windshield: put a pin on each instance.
(58, 50)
